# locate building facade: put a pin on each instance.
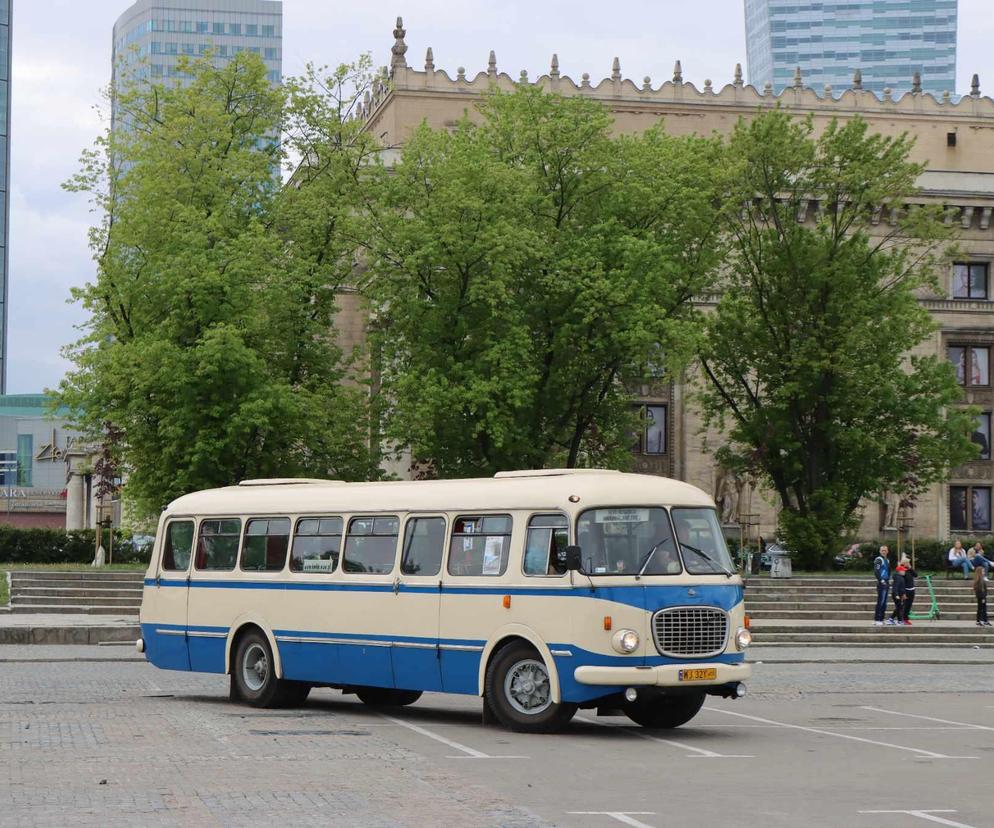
(5, 53)
(955, 137)
(888, 41)
(33, 448)
(152, 36)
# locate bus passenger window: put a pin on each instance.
(316, 545)
(424, 542)
(217, 546)
(266, 541)
(371, 545)
(177, 546)
(548, 535)
(480, 545)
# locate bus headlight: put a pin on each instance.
(743, 638)
(625, 641)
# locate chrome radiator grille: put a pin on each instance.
(690, 631)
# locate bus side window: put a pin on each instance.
(217, 545)
(316, 545)
(265, 545)
(548, 535)
(371, 545)
(480, 544)
(424, 542)
(177, 546)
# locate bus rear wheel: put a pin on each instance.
(253, 676)
(664, 712)
(518, 691)
(387, 697)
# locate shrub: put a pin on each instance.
(54, 546)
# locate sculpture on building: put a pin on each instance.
(727, 491)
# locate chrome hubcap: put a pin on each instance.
(526, 687)
(255, 667)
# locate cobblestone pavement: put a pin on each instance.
(119, 743)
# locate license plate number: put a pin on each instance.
(700, 674)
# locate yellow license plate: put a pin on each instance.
(702, 674)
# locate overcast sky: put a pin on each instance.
(61, 59)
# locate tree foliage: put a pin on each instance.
(208, 340)
(522, 267)
(810, 358)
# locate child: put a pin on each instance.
(909, 588)
(898, 588)
(980, 590)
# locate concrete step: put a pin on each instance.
(828, 606)
(76, 609)
(69, 634)
(946, 645)
(873, 637)
(829, 616)
(45, 600)
(76, 575)
(134, 593)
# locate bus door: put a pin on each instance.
(366, 606)
(166, 600)
(478, 554)
(417, 591)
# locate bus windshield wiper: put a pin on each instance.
(648, 557)
(708, 558)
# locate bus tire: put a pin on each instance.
(664, 712)
(253, 673)
(518, 691)
(387, 697)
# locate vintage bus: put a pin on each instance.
(541, 591)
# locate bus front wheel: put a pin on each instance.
(664, 712)
(518, 691)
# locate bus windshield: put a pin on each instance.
(627, 541)
(701, 542)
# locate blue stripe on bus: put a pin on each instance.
(650, 597)
(412, 668)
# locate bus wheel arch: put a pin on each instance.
(518, 633)
(243, 625)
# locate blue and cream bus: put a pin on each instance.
(540, 591)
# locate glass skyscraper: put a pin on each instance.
(5, 10)
(887, 40)
(152, 36)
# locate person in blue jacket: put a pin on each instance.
(881, 571)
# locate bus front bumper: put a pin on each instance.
(664, 675)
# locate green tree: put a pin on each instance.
(207, 343)
(522, 269)
(809, 360)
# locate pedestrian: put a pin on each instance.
(980, 559)
(959, 559)
(909, 588)
(897, 617)
(980, 590)
(881, 571)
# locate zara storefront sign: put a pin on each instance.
(22, 499)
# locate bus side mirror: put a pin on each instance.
(573, 561)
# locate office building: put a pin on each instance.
(5, 12)
(152, 36)
(886, 40)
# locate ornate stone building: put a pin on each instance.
(955, 136)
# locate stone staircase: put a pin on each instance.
(833, 611)
(77, 592)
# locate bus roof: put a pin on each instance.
(539, 489)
